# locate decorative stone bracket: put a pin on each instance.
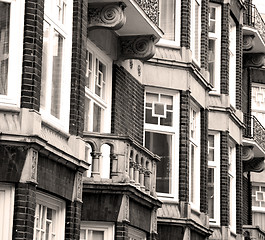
(109, 16)
(137, 47)
(248, 42)
(250, 163)
(254, 60)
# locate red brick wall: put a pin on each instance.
(185, 23)
(127, 105)
(204, 161)
(224, 208)
(78, 67)
(184, 146)
(204, 33)
(225, 49)
(32, 54)
(239, 189)
(239, 66)
(24, 211)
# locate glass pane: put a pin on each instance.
(49, 213)
(97, 118)
(149, 118)
(161, 144)
(210, 192)
(167, 19)
(159, 109)
(254, 190)
(192, 179)
(88, 69)
(151, 97)
(263, 189)
(212, 19)
(168, 121)
(98, 235)
(211, 60)
(83, 234)
(260, 196)
(4, 46)
(168, 100)
(45, 50)
(211, 155)
(87, 114)
(254, 202)
(56, 74)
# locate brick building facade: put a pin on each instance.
(130, 120)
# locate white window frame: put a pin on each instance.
(65, 30)
(107, 227)
(174, 132)
(232, 61)
(176, 42)
(57, 205)
(135, 234)
(15, 53)
(256, 208)
(232, 190)
(258, 102)
(196, 26)
(216, 37)
(195, 202)
(7, 196)
(216, 166)
(90, 94)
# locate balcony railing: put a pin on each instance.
(150, 7)
(255, 130)
(253, 19)
(128, 162)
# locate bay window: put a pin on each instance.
(11, 49)
(49, 217)
(97, 90)
(258, 197)
(194, 161)
(56, 62)
(213, 184)
(258, 103)
(214, 46)
(161, 136)
(196, 30)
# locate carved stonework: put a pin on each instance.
(137, 47)
(254, 165)
(254, 60)
(248, 42)
(109, 16)
(78, 186)
(247, 153)
(151, 9)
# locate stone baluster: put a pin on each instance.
(95, 173)
(136, 174)
(132, 167)
(141, 173)
(114, 167)
(147, 181)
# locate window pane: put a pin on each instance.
(159, 109)
(254, 190)
(98, 235)
(87, 114)
(192, 179)
(4, 46)
(100, 79)
(167, 19)
(160, 144)
(168, 121)
(254, 202)
(56, 74)
(260, 196)
(45, 51)
(88, 68)
(149, 118)
(97, 118)
(211, 60)
(212, 19)
(83, 234)
(210, 192)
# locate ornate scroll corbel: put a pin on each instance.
(137, 47)
(110, 16)
(248, 42)
(254, 60)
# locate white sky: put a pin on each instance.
(260, 4)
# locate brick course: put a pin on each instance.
(224, 181)
(127, 105)
(185, 23)
(204, 161)
(204, 34)
(32, 54)
(225, 50)
(239, 66)
(78, 67)
(24, 211)
(184, 146)
(239, 189)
